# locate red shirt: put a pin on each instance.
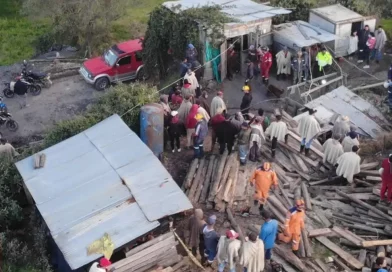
(176, 99)
(266, 59)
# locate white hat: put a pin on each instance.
(174, 113)
(386, 84)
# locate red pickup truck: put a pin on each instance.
(119, 63)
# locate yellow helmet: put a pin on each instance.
(199, 116)
(246, 88)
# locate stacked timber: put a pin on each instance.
(160, 251)
(349, 222)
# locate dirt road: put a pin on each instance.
(66, 98)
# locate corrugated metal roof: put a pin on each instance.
(89, 185)
(292, 34)
(337, 13)
(241, 10)
(345, 102)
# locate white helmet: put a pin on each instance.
(386, 84)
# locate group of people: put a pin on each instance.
(367, 45)
(300, 65)
(252, 252)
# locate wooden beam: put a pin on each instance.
(376, 243)
(304, 83)
(319, 232)
(351, 261)
(321, 86)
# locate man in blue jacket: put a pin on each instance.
(268, 233)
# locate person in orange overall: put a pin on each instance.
(264, 177)
(295, 222)
(265, 64)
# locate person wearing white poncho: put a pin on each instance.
(228, 251)
(308, 128)
(252, 257)
(278, 132)
(349, 141)
(341, 126)
(217, 103)
(332, 149)
(349, 164)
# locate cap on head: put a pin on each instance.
(103, 262)
(190, 46)
(220, 93)
(246, 89)
(231, 234)
(174, 113)
(211, 220)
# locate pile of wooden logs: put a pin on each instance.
(349, 223)
(160, 251)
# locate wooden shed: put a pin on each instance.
(341, 22)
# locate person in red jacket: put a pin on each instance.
(265, 64)
(214, 122)
(190, 125)
(386, 176)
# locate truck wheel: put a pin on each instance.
(101, 83)
(141, 75)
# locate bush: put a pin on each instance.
(23, 239)
(118, 100)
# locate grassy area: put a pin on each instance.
(17, 33)
(134, 23)
(387, 25)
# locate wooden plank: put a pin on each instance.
(289, 256)
(306, 196)
(308, 160)
(196, 181)
(231, 182)
(376, 243)
(190, 175)
(351, 261)
(235, 225)
(323, 204)
(307, 244)
(341, 265)
(152, 242)
(348, 235)
(217, 177)
(365, 205)
(369, 173)
(301, 163)
(200, 179)
(207, 182)
(322, 265)
(373, 178)
(312, 148)
(369, 166)
(319, 232)
(320, 214)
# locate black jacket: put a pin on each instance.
(363, 36)
(225, 132)
(175, 128)
(246, 100)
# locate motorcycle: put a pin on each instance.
(9, 91)
(6, 118)
(41, 79)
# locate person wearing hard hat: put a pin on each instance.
(295, 222)
(101, 266)
(246, 101)
(263, 177)
(201, 132)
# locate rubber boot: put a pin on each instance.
(301, 149)
(261, 208)
(307, 152)
(273, 153)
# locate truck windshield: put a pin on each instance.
(110, 57)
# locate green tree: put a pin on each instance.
(169, 32)
(86, 23)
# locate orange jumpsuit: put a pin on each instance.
(292, 228)
(264, 180)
